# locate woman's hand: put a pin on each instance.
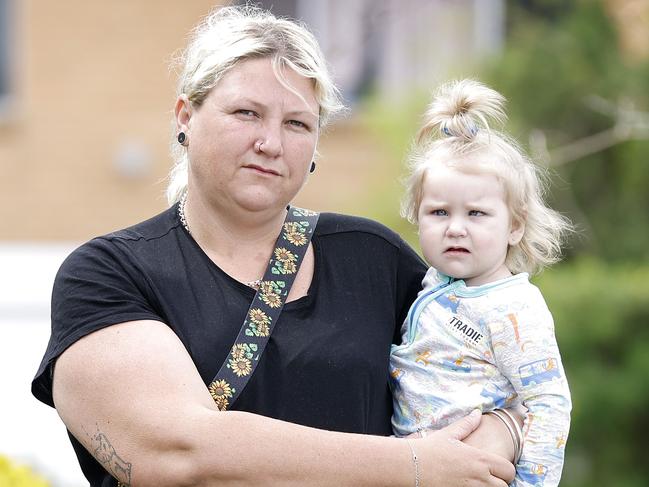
(491, 434)
(494, 436)
(446, 461)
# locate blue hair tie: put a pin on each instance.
(473, 128)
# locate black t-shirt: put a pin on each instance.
(326, 363)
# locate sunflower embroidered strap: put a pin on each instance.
(265, 308)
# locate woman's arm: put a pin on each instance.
(132, 396)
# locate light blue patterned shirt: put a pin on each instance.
(485, 347)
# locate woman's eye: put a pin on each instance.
(298, 124)
(247, 113)
(476, 213)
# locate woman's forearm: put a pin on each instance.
(132, 396)
(247, 449)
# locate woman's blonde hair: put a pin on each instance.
(457, 133)
(232, 34)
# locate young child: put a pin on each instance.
(479, 334)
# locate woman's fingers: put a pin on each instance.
(462, 427)
(446, 461)
(503, 470)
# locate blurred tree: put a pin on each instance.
(565, 77)
(602, 331)
(563, 74)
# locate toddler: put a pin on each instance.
(480, 335)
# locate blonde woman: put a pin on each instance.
(143, 318)
(480, 335)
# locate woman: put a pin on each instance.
(143, 318)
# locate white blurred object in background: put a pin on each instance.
(31, 433)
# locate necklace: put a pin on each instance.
(181, 212)
(183, 220)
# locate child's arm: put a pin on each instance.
(526, 352)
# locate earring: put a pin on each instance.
(182, 139)
(312, 169)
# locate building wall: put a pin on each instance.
(84, 147)
(91, 88)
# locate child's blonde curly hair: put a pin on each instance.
(456, 125)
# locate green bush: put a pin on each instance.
(12, 475)
(601, 314)
(561, 61)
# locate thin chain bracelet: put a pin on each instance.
(415, 461)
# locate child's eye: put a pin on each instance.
(476, 213)
(439, 212)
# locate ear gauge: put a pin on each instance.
(312, 169)
(182, 139)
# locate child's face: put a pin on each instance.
(465, 225)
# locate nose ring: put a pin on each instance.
(258, 145)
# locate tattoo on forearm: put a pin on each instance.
(105, 453)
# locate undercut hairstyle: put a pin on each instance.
(457, 133)
(229, 35)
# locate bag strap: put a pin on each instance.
(265, 308)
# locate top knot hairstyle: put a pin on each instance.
(229, 35)
(461, 109)
(458, 132)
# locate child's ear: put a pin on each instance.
(516, 232)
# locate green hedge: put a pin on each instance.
(602, 324)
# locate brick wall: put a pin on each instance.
(91, 87)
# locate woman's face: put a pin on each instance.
(252, 140)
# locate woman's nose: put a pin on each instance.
(270, 142)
